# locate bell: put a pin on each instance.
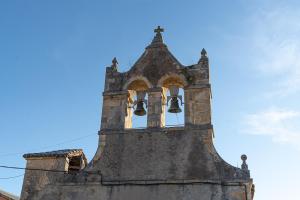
(140, 110)
(174, 107)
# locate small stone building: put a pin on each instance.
(151, 163)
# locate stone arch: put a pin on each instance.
(165, 82)
(133, 86)
(137, 83)
(172, 79)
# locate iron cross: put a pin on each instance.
(158, 30)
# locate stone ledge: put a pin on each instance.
(183, 181)
(155, 129)
(198, 86)
(114, 93)
(160, 182)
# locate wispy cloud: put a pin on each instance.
(276, 40)
(281, 125)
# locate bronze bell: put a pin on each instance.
(174, 107)
(140, 110)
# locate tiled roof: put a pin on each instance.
(58, 153)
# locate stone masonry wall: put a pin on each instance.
(195, 191)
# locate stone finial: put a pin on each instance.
(114, 65)
(244, 164)
(158, 37)
(203, 61)
(203, 53)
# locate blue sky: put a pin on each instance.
(53, 56)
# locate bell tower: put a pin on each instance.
(158, 154)
(156, 72)
(155, 162)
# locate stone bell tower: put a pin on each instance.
(156, 72)
(155, 162)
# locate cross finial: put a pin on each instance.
(158, 30)
(157, 40)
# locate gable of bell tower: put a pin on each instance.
(154, 74)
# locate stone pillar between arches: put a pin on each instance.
(156, 107)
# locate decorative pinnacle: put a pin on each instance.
(203, 52)
(114, 65)
(203, 61)
(244, 165)
(114, 61)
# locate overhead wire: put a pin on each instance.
(49, 146)
(11, 177)
(39, 169)
(32, 169)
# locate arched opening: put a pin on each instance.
(139, 117)
(174, 115)
(137, 104)
(174, 102)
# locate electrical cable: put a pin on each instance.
(49, 146)
(11, 177)
(45, 170)
(32, 169)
